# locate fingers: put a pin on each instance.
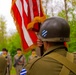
(39, 43)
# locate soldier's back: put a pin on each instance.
(47, 65)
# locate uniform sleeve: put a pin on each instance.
(10, 62)
(24, 60)
(14, 60)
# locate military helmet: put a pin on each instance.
(55, 29)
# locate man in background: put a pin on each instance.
(33, 55)
(19, 61)
(7, 56)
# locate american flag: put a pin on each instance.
(27, 13)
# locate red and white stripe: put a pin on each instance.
(24, 11)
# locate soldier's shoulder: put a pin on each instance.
(15, 56)
(31, 63)
(2, 58)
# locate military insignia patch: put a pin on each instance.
(44, 33)
(23, 72)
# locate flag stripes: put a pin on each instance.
(24, 11)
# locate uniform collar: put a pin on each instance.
(51, 49)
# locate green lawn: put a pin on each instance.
(13, 72)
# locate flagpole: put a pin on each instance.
(41, 47)
(41, 50)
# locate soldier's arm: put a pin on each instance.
(24, 60)
(10, 62)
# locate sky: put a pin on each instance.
(5, 6)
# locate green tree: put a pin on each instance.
(13, 43)
(72, 43)
(3, 37)
(72, 23)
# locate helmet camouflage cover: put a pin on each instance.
(55, 29)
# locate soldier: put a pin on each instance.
(3, 65)
(56, 59)
(19, 61)
(9, 60)
(33, 54)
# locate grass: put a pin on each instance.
(13, 72)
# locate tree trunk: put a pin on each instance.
(66, 10)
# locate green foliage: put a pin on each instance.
(72, 23)
(72, 43)
(62, 14)
(27, 55)
(13, 43)
(74, 2)
(2, 32)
